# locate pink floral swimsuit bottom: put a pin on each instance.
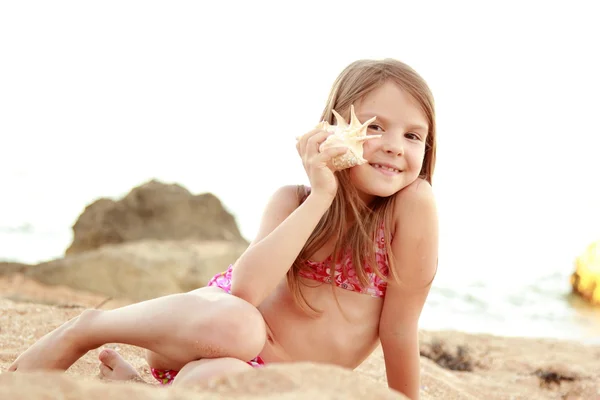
(223, 281)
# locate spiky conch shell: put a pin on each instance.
(351, 135)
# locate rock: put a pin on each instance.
(153, 210)
(283, 381)
(10, 268)
(585, 281)
(23, 290)
(141, 270)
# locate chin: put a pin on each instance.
(379, 191)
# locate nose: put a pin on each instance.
(394, 148)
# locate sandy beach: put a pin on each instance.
(454, 365)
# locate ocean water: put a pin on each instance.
(98, 98)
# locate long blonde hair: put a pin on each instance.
(355, 82)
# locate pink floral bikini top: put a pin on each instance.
(320, 271)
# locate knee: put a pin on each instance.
(243, 329)
(222, 325)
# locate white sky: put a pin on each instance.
(97, 97)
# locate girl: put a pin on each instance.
(335, 269)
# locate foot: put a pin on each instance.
(113, 367)
(57, 350)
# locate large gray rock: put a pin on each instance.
(141, 270)
(153, 210)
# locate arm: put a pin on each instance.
(415, 252)
(285, 228)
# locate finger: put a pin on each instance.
(320, 126)
(326, 155)
(302, 140)
(314, 142)
(307, 134)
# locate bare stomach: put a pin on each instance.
(343, 334)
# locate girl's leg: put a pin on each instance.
(204, 323)
(202, 370)
(158, 361)
(114, 367)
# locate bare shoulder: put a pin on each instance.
(415, 233)
(287, 196)
(281, 204)
(418, 196)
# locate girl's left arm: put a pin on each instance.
(415, 252)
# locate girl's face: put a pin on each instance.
(395, 159)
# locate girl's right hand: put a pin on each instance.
(317, 164)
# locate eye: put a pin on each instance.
(375, 127)
(412, 136)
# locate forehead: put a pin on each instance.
(391, 102)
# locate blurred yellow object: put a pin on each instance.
(586, 278)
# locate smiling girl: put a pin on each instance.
(335, 270)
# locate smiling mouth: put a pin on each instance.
(385, 168)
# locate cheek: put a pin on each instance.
(418, 155)
(369, 148)
(358, 173)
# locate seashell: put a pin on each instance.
(351, 135)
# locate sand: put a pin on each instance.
(455, 365)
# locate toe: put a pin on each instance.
(110, 358)
(114, 367)
(105, 372)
